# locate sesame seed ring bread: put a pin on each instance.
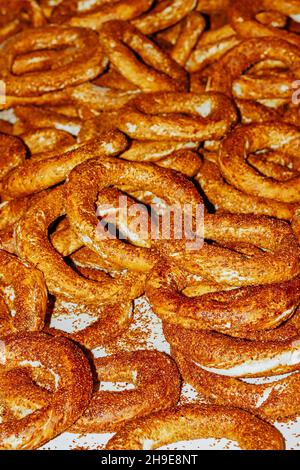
(178, 116)
(33, 245)
(71, 12)
(72, 387)
(227, 311)
(100, 98)
(255, 112)
(13, 154)
(242, 17)
(211, 46)
(140, 257)
(268, 354)
(32, 117)
(157, 387)
(164, 14)
(270, 401)
(24, 292)
(157, 71)
(245, 140)
(227, 198)
(45, 99)
(20, 394)
(197, 422)
(87, 181)
(238, 61)
(46, 139)
(191, 28)
(112, 78)
(14, 20)
(179, 156)
(38, 174)
(89, 63)
(278, 251)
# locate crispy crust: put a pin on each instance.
(120, 40)
(38, 174)
(268, 354)
(180, 117)
(68, 12)
(87, 65)
(249, 139)
(226, 311)
(192, 422)
(33, 245)
(271, 401)
(157, 387)
(24, 290)
(68, 401)
(87, 181)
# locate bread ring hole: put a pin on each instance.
(117, 382)
(71, 317)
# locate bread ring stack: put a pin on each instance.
(149, 148)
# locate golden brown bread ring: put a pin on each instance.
(32, 117)
(227, 198)
(226, 311)
(212, 45)
(13, 153)
(278, 251)
(33, 244)
(191, 28)
(254, 112)
(178, 117)
(46, 139)
(13, 19)
(113, 79)
(24, 291)
(245, 140)
(138, 258)
(71, 394)
(93, 17)
(87, 181)
(237, 357)
(164, 14)
(197, 422)
(122, 43)
(238, 61)
(46, 99)
(100, 98)
(270, 401)
(242, 16)
(19, 394)
(12, 211)
(157, 387)
(89, 63)
(35, 175)
(179, 156)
